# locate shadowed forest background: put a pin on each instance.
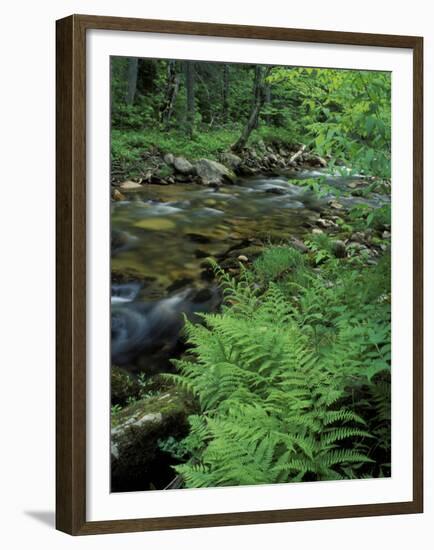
(250, 274)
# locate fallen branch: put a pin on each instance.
(298, 154)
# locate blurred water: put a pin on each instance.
(162, 234)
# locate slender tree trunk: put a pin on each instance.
(132, 80)
(257, 84)
(189, 85)
(267, 100)
(225, 93)
(173, 80)
(259, 98)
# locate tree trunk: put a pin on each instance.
(267, 100)
(225, 93)
(172, 88)
(132, 80)
(189, 85)
(258, 101)
(257, 84)
(257, 90)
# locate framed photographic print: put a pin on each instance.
(239, 275)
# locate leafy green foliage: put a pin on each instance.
(293, 375)
(347, 113)
(342, 114)
(293, 379)
(276, 261)
(321, 247)
(173, 447)
(128, 146)
(362, 216)
(317, 185)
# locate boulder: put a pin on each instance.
(183, 166)
(137, 459)
(169, 159)
(211, 172)
(130, 185)
(230, 160)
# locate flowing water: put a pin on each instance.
(161, 237)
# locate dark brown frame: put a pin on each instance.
(71, 274)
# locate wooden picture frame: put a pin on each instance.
(71, 274)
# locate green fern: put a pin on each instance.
(283, 382)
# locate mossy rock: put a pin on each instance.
(137, 460)
(156, 224)
(212, 172)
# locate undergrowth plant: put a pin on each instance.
(292, 377)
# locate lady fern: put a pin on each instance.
(292, 377)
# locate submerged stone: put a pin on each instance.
(156, 224)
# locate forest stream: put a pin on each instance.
(162, 236)
(250, 274)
